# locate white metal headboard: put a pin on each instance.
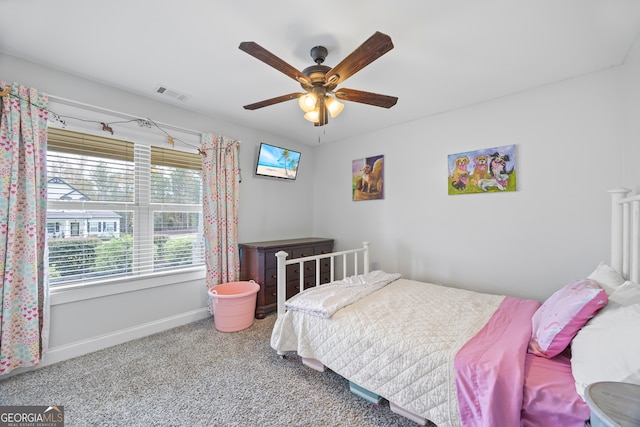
(283, 262)
(625, 233)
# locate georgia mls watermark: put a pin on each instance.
(31, 416)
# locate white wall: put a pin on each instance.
(631, 164)
(528, 243)
(89, 319)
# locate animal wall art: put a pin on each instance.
(368, 178)
(489, 170)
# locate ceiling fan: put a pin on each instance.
(320, 82)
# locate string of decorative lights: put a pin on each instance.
(106, 125)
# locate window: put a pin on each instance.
(118, 208)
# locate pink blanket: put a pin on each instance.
(490, 367)
(550, 396)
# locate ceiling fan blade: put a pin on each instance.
(373, 48)
(370, 98)
(258, 52)
(272, 101)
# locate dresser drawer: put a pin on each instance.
(293, 287)
(270, 259)
(294, 272)
(323, 249)
(325, 266)
(270, 295)
(325, 278)
(303, 252)
(271, 277)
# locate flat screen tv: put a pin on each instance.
(277, 162)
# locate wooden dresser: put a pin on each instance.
(258, 263)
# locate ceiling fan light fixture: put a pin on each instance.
(307, 102)
(334, 106)
(313, 115)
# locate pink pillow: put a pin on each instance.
(561, 316)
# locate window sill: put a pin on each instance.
(72, 293)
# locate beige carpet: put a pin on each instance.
(196, 376)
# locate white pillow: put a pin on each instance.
(627, 294)
(607, 348)
(607, 277)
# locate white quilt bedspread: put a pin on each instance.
(399, 342)
(325, 300)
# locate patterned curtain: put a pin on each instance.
(221, 185)
(24, 292)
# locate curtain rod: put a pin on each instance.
(120, 114)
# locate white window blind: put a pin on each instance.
(176, 199)
(118, 208)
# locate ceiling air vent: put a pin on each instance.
(165, 91)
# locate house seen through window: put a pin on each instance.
(117, 208)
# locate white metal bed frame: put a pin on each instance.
(283, 262)
(625, 233)
(625, 258)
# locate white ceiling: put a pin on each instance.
(448, 53)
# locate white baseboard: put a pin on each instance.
(69, 351)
